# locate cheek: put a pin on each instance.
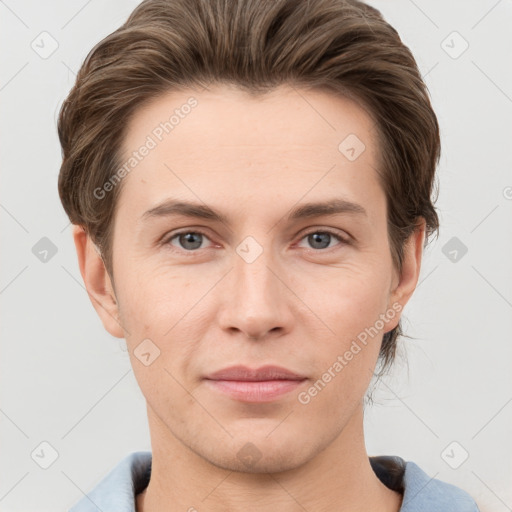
(152, 298)
(163, 390)
(345, 364)
(352, 307)
(354, 298)
(160, 314)
(166, 308)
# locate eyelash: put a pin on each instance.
(167, 240)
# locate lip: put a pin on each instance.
(263, 384)
(264, 373)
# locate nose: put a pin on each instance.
(255, 299)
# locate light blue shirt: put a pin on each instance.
(117, 491)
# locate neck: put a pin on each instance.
(340, 478)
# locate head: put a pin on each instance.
(251, 110)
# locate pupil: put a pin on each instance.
(317, 237)
(188, 238)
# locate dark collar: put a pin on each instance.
(390, 470)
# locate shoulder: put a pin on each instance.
(117, 490)
(423, 493)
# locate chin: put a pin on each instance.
(260, 453)
(263, 461)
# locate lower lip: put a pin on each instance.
(255, 391)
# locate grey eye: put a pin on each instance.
(319, 240)
(189, 240)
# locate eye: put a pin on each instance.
(187, 240)
(191, 241)
(320, 240)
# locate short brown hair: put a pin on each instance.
(342, 46)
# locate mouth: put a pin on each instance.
(264, 384)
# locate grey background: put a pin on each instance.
(65, 381)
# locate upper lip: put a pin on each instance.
(244, 373)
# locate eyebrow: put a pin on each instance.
(172, 207)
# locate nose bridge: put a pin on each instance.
(257, 304)
(253, 272)
(254, 277)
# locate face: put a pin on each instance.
(243, 273)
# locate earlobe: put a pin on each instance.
(97, 282)
(411, 267)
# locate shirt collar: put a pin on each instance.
(117, 491)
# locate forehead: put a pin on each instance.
(285, 116)
(198, 142)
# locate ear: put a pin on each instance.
(404, 284)
(97, 282)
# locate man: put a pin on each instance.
(250, 187)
